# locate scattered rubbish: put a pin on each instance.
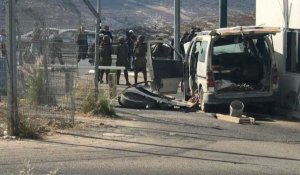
(113, 135)
(227, 85)
(239, 120)
(223, 84)
(137, 97)
(5, 133)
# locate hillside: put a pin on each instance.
(154, 15)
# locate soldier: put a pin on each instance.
(35, 48)
(107, 32)
(122, 59)
(105, 57)
(82, 44)
(140, 60)
(92, 50)
(131, 39)
(3, 43)
(161, 50)
(55, 49)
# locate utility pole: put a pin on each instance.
(97, 31)
(12, 116)
(223, 13)
(177, 28)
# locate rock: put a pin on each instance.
(5, 133)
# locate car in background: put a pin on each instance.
(69, 36)
(27, 37)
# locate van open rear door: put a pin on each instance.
(165, 71)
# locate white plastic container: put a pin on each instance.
(236, 108)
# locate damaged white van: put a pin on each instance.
(221, 66)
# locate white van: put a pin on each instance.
(221, 66)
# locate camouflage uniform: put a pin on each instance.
(122, 51)
(82, 44)
(55, 49)
(131, 39)
(105, 57)
(36, 42)
(3, 45)
(140, 60)
(91, 50)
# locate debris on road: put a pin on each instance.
(138, 97)
(239, 120)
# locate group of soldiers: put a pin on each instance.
(130, 52)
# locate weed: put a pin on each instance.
(88, 103)
(104, 107)
(35, 84)
(29, 127)
(27, 169)
(100, 106)
(54, 172)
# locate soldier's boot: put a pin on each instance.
(135, 77)
(145, 78)
(101, 74)
(126, 77)
(118, 76)
(106, 73)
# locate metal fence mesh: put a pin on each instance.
(48, 79)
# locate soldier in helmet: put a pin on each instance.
(122, 59)
(3, 39)
(131, 39)
(91, 50)
(55, 49)
(82, 44)
(140, 59)
(105, 57)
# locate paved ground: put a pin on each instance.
(161, 142)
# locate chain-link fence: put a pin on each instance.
(49, 83)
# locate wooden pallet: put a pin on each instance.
(239, 120)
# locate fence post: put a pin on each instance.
(112, 81)
(12, 117)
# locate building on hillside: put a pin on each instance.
(284, 14)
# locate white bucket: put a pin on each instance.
(236, 108)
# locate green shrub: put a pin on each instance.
(88, 103)
(100, 106)
(35, 87)
(29, 127)
(104, 107)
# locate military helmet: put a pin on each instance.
(141, 38)
(106, 39)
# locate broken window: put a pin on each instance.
(201, 48)
(293, 52)
(244, 62)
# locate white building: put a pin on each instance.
(284, 14)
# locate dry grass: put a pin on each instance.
(28, 169)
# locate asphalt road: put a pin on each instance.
(161, 142)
